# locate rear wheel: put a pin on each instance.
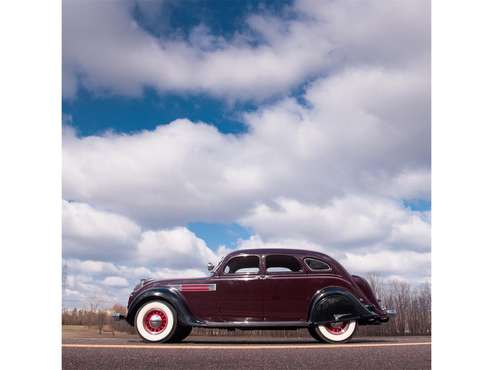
(181, 333)
(338, 332)
(156, 321)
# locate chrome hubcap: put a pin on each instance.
(155, 321)
(337, 328)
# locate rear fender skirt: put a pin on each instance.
(169, 294)
(335, 304)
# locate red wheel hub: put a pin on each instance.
(155, 321)
(337, 328)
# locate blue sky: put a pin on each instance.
(92, 115)
(192, 128)
(222, 17)
(220, 234)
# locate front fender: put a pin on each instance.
(334, 304)
(168, 294)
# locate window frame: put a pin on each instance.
(301, 271)
(330, 269)
(230, 274)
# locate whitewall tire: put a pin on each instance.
(338, 332)
(156, 321)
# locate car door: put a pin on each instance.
(239, 289)
(285, 290)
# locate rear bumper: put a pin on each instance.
(389, 313)
(118, 316)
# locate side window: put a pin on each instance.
(280, 263)
(242, 265)
(315, 264)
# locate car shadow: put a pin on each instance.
(264, 340)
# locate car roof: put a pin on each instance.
(277, 251)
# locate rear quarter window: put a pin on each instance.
(315, 264)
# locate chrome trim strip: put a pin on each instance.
(194, 287)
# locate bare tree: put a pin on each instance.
(64, 276)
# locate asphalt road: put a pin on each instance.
(247, 353)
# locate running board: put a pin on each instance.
(251, 324)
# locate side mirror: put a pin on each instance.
(210, 266)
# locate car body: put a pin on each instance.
(258, 289)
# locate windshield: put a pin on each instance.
(217, 265)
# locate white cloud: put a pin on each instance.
(92, 282)
(385, 262)
(92, 233)
(256, 241)
(174, 248)
(115, 281)
(346, 141)
(166, 273)
(374, 32)
(349, 222)
(90, 266)
(105, 49)
(91, 236)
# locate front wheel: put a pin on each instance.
(156, 321)
(338, 332)
(181, 333)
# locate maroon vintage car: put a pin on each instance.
(258, 289)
